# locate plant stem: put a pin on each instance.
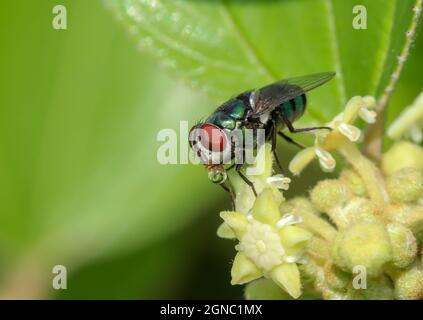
(373, 138)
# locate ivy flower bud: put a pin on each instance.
(409, 284)
(410, 216)
(404, 245)
(356, 210)
(405, 185)
(364, 244)
(402, 154)
(328, 194)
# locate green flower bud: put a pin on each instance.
(404, 245)
(328, 194)
(356, 210)
(354, 182)
(405, 185)
(365, 244)
(400, 155)
(265, 289)
(409, 284)
(409, 215)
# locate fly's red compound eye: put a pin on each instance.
(212, 137)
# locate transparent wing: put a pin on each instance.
(268, 98)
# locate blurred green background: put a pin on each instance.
(80, 185)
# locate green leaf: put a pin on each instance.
(226, 46)
(79, 117)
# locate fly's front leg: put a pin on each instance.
(246, 180)
(296, 130)
(290, 140)
(274, 133)
(231, 192)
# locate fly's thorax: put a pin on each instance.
(229, 114)
(222, 120)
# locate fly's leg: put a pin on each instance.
(230, 167)
(231, 192)
(246, 180)
(274, 133)
(296, 130)
(290, 140)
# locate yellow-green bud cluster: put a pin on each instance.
(382, 239)
(358, 236)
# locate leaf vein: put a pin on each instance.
(251, 49)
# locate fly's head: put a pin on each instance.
(210, 143)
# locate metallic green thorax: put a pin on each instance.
(228, 114)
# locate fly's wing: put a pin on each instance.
(268, 98)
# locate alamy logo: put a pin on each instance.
(60, 20)
(60, 280)
(360, 20)
(360, 280)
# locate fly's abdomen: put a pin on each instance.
(293, 109)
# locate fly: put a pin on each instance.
(272, 108)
